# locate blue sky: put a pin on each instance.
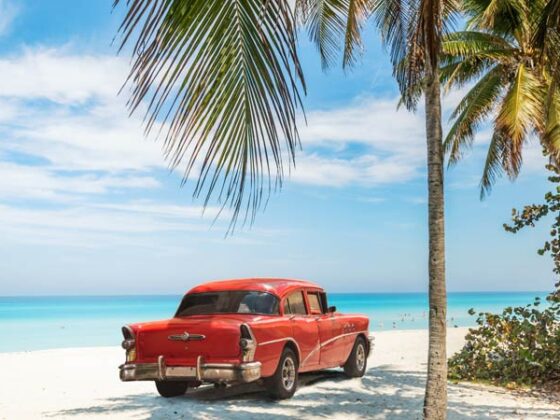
(87, 204)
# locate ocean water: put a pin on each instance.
(33, 323)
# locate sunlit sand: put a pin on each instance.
(83, 383)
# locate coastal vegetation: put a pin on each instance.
(508, 56)
(520, 346)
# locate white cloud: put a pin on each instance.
(102, 225)
(84, 125)
(60, 76)
(166, 210)
(391, 142)
(368, 170)
(68, 144)
(533, 158)
(32, 182)
(8, 12)
(100, 138)
(87, 127)
(373, 122)
(62, 110)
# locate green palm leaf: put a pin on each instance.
(551, 134)
(481, 45)
(401, 32)
(521, 109)
(223, 80)
(500, 16)
(358, 12)
(471, 112)
(455, 73)
(493, 166)
(333, 24)
(325, 20)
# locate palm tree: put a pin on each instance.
(223, 81)
(514, 86)
(413, 30)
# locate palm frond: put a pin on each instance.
(549, 21)
(222, 80)
(499, 16)
(326, 23)
(394, 19)
(397, 21)
(412, 31)
(471, 112)
(335, 25)
(457, 73)
(474, 44)
(358, 12)
(521, 109)
(493, 167)
(550, 138)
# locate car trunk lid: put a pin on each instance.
(182, 340)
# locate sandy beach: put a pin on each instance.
(83, 383)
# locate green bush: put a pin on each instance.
(522, 344)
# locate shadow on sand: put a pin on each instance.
(382, 393)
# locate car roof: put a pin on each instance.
(277, 286)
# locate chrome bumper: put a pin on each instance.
(203, 372)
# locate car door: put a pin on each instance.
(305, 330)
(330, 330)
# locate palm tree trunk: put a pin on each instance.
(435, 400)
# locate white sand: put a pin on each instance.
(83, 383)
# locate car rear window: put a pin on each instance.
(240, 302)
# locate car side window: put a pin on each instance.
(314, 303)
(295, 304)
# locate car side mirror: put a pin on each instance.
(331, 310)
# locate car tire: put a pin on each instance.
(283, 383)
(170, 389)
(356, 365)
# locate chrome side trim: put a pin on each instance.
(330, 340)
(279, 340)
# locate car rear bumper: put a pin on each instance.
(202, 372)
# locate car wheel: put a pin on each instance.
(355, 366)
(169, 389)
(283, 383)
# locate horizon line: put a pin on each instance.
(330, 293)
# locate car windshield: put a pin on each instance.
(240, 302)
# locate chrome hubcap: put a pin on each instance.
(360, 357)
(288, 373)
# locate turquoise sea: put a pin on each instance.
(32, 323)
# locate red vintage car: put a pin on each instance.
(239, 331)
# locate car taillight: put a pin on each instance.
(247, 343)
(129, 343)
